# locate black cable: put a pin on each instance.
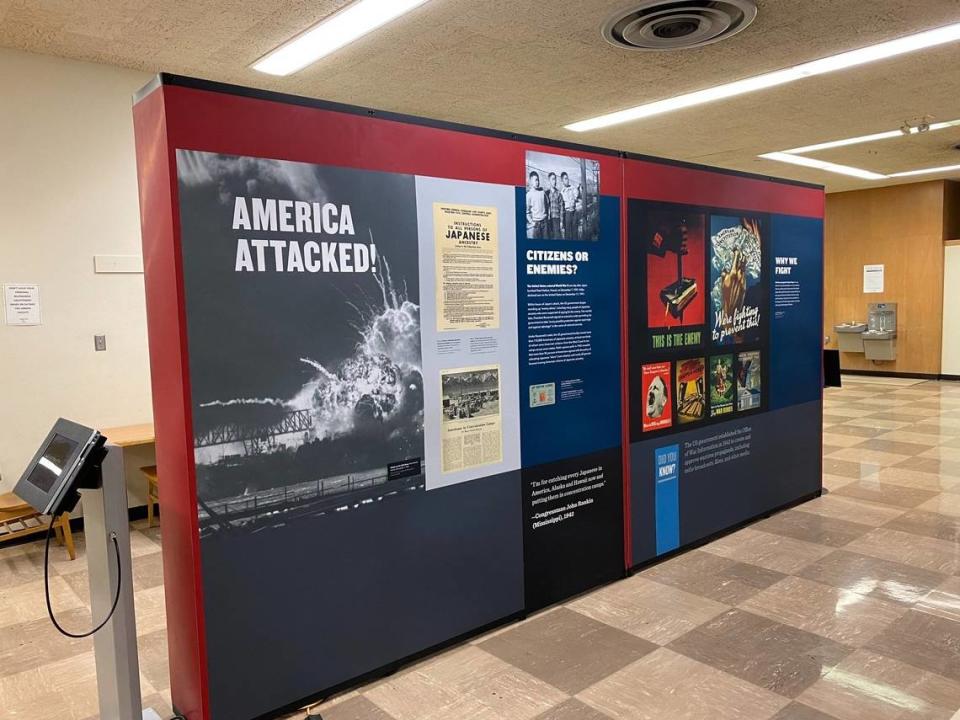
(46, 587)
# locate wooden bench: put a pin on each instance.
(18, 519)
(153, 491)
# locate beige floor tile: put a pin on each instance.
(467, 683)
(866, 575)
(907, 436)
(150, 609)
(568, 650)
(832, 482)
(946, 468)
(25, 602)
(572, 709)
(667, 686)
(929, 427)
(911, 410)
(711, 576)
(841, 439)
(799, 711)
(881, 400)
(30, 645)
(864, 433)
(916, 479)
(844, 508)
(60, 562)
(923, 552)
(769, 654)
(849, 468)
(507, 627)
(647, 609)
(871, 489)
(843, 409)
(928, 524)
(943, 600)
(58, 690)
(925, 640)
(140, 544)
(869, 686)
(869, 457)
(945, 504)
(841, 615)
(877, 423)
(942, 452)
(20, 567)
(900, 447)
(812, 528)
(773, 552)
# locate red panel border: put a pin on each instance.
(625, 381)
(166, 328)
(239, 125)
(647, 180)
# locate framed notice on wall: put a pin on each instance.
(22, 304)
(873, 278)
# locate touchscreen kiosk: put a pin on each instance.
(60, 467)
(73, 458)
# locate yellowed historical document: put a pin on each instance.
(468, 267)
(471, 428)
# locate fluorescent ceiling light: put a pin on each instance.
(796, 156)
(870, 138)
(848, 141)
(338, 30)
(823, 165)
(853, 58)
(926, 171)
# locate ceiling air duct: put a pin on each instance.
(672, 25)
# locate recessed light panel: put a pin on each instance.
(796, 156)
(853, 58)
(338, 30)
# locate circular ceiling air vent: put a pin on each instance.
(676, 25)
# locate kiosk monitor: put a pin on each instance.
(52, 479)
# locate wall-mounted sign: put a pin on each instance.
(873, 278)
(22, 304)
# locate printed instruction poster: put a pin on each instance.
(468, 282)
(22, 304)
(873, 278)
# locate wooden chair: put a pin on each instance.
(18, 519)
(153, 491)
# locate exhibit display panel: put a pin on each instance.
(724, 293)
(395, 362)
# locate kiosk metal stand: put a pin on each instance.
(115, 646)
(75, 460)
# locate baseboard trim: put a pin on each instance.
(904, 375)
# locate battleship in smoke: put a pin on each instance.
(339, 434)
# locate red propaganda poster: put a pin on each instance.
(691, 399)
(657, 408)
(675, 269)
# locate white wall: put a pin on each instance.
(68, 191)
(950, 364)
